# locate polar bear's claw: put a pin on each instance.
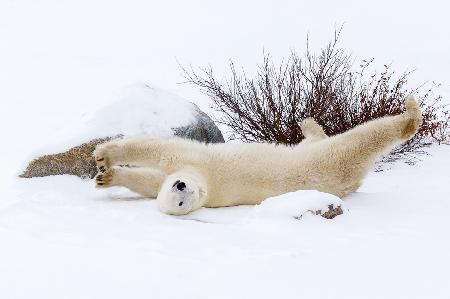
(101, 160)
(103, 155)
(105, 178)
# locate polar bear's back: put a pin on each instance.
(249, 172)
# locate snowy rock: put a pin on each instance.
(142, 109)
(203, 129)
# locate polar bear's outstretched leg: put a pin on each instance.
(341, 162)
(148, 152)
(312, 131)
(182, 192)
(381, 135)
(145, 181)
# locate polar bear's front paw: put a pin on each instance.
(104, 155)
(105, 179)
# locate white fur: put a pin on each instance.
(218, 175)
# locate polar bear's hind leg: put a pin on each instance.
(348, 157)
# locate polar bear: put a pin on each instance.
(185, 175)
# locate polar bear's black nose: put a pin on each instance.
(180, 204)
(181, 186)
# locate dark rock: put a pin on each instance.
(203, 129)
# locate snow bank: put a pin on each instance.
(139, 109)
(285, 207)
(294, 205)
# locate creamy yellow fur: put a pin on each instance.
(186, 175)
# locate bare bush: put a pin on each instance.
(270, 107)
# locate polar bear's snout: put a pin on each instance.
(178, 196)
(181, 186)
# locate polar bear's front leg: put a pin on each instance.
(182, 192)
(145, 181)
(164, 153)
(137, 151)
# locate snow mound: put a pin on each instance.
(294, 205)
(139, 109)
(285, 207)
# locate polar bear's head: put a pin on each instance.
(179, 196)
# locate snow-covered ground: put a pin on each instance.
(62, 238)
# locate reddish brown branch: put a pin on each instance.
(271, 106)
